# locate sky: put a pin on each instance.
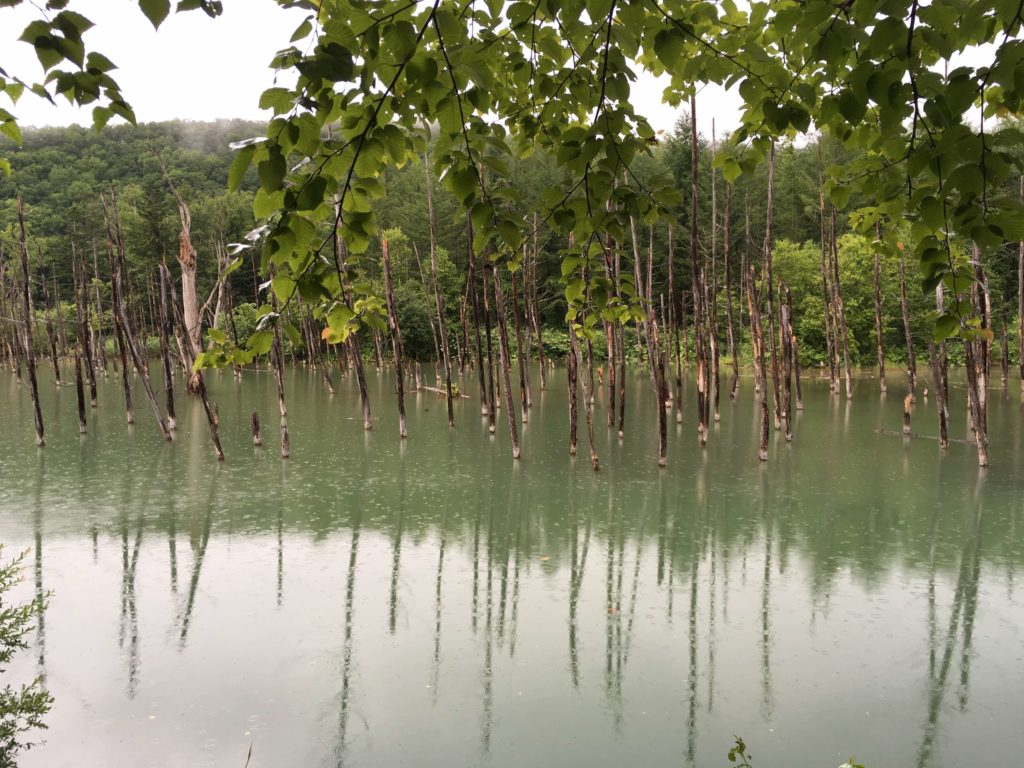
(197, 68)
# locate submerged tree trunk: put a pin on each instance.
(757, 340)
(438, 301)
(700, 323)
(831, 335)
(165, 354)
(521, 359)
(911, 363)
(506, 364)
(786, 334)
(352, 342)
(396, 336)
(837, 298)
(769, 287)
(879, 346)
(277, 360)
(26, 336)
(471, 286)
(795, 352)
(730, 332)
(115, 242)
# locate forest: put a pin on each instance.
(61, 171)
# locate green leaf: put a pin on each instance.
(239, 165)
(272, 170)
(155, 10)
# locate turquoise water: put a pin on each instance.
(376, 603)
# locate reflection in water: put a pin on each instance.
(525, 615)
(965, 603)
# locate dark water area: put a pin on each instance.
(370, 602)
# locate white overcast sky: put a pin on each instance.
(197, 68)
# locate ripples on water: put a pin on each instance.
(373, 603)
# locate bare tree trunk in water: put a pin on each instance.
(879, 346)
(673, 321)
(712, 290)
(1020, 303)
(82, 315)
(165, 353)
(521, 359)
(471, 283)
(786, 335)
(700, 324)
(30, 358)
(757, 340)
(254, 425)
(199, 381)
(187, 262)
(745, 272)
(396, 336)
(938, 362)
(80, 340)
(277, 360)
(768, 279)
(911, 365)
(438, 301)
(492, 404)
(1004, 357)
(352, 342)
(571, 367)
(840, 311)
(730, 332)
(831, 336)
(115, 242)
(795, 351)
(506, 363)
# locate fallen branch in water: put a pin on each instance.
(890, 433)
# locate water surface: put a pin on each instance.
(373, 603)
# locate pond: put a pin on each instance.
(376, 603)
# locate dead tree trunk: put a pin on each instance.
(787, 358)
(571, 368)
(471, 285)
(200, 383)
(521, 359)
(831, 337)
(838, 301)
(438, 301)
(506, 363)
(730, 332)
(30, 358)
(711, 291)
(938, 362)
(769, 287)
(187, 262)
(396, 337)
(697, 280)
(879, 344)
(277, 361)
(794, 351)
(911, 363)
(254, 425)
(352, 342)
(115, 242)
(757, 340)
(165, 347)
(82, 318)
(492, 404)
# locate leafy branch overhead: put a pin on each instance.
(497, 81)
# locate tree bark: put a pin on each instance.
(396, 337)
(506, 364)
(165, 347)
(840, 311)
(879, 344)
(911, 363)
(471, 282)
(30, 358)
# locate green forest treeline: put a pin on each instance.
(60, 172)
